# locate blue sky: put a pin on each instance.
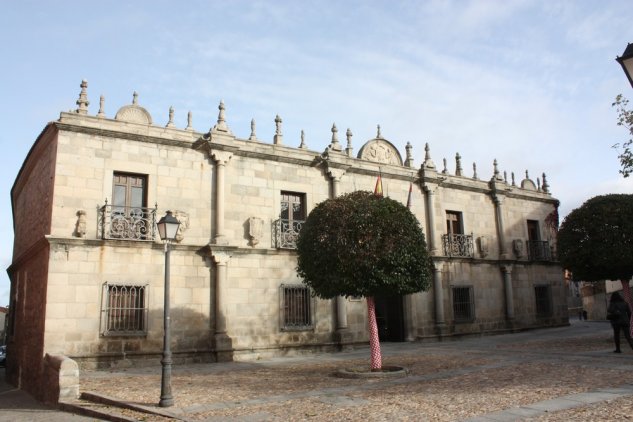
(529, 83)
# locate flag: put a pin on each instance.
(378, 188)
(409, 197)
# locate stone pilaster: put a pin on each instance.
(342, 335)
(430, 215)
(221, 341)
(498, 201)
(221, 158)
(509, 294)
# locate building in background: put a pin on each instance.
(87, 271)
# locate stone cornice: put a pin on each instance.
(158, 140)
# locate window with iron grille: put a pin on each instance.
(124, 310)
(463, 304)
(296, 307)
(291, 218)
(128, 217)
(455, 242)
(542, 295)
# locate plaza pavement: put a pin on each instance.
(558, 374)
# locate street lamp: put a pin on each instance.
(167, 229)
(626, 61)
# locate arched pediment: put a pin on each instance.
(380, 150)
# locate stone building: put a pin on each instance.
(88, 265)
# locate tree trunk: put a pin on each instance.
(626, 292)
(374, 341)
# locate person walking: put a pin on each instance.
(619, 314)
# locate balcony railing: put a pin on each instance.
(458, 245)
(286, 233)
(127, 223)
(539, 250)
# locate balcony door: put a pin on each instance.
(129, 190)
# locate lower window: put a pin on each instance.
(124, 310)
(463, 304)
(296, 307)
(543, 301)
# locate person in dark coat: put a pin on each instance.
(619, 314)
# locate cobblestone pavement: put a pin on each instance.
(559, 374)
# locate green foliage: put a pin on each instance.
(625, 118)
(360, 244)
(595, 241)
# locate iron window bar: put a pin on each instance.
(539, 250)
(286, 233)
(458, 245)
(127, 223)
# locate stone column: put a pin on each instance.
(509, 294)
(430, 215)
(342, 335)
(438, 297)
(222, 342)
(498, 200)
(221, 158)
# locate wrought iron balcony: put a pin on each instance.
(539, 250)
(127, 223)
(286, 233)
(458, 245)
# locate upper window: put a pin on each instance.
(538, 250)
(128, 216)
(124, 310)
(533, 230)
(291, 218)
(129, 190)
(455, 242)
(454, 224)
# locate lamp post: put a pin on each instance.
(626, 61)
(167, 229)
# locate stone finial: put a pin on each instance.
(378, 134)
(83, 102)
(189, 119)
(408, 162)
(475, 171)
(303, 145)
(101, 112)
(221, 125)
(428, 163)
(335, 144)
(545, 184)
(135, 98)
(496, 174)
(538, 184)
(445, 171)
(458, 164)
(253, 136)
(505, 176)
(527, 176)
(170, 123)
(513, 181)
(349, 149)
(279, 137)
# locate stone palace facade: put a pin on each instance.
(88, 265)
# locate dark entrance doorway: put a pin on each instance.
(390, 318)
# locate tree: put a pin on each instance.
(361, 244)
(595, 241)
(625, 118)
